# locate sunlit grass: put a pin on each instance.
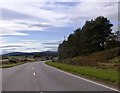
(107, 75)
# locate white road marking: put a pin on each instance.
(84, 79)
(32, 68)
(34, 73)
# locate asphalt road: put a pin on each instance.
(38, 76)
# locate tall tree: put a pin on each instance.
(102, 31)
(95, 35)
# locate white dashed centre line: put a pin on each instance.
(34, 74)
(32, 68)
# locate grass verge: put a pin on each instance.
(107, 76)
(11, 65)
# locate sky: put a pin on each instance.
(41, 25)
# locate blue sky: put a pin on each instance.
(41, 26)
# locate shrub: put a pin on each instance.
(94, 59)
(13, 60)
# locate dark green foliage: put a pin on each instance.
(13, 60)
(37, 55)
(95, 35)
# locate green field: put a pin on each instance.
(108, 76)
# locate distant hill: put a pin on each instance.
(45, 53)
(49, 53)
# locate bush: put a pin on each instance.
(13, 60)
(95, 58)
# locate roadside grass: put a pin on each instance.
(6, 63)
(16, 57)
(107, 76)
(11, 65)
(115, 60)
(109, 58)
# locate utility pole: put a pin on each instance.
(64, 38)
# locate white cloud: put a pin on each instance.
(29, 46)
(13, 27)
(59, 1)
(45, 17)
(55, 14)
(4, 32)
(42, 16)
(89, 10)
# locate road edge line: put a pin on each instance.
(84, 78)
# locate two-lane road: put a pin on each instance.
(37, 76)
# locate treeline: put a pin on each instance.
(95, 35)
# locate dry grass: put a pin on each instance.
(104, 59)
